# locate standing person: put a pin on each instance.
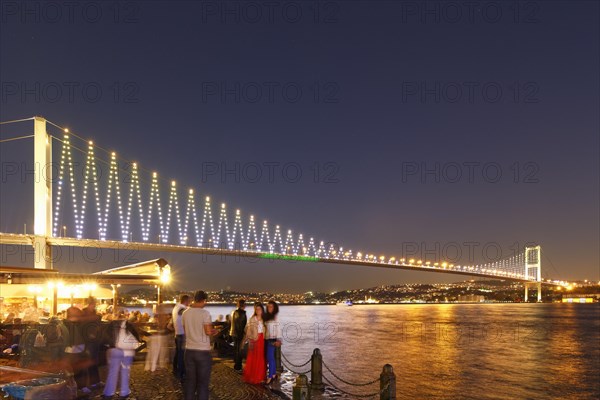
(122, 340)
(157, 341)
(238, 325)
(197, 325)
(76, 347)
(255, 369)
(178, 366)
(273, 338)
(92, 323)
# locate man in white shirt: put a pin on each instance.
(178, 365)
(198, 328)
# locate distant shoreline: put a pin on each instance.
(343, 306)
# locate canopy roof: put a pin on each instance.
(152, 272)
(150, 267)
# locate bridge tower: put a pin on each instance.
(533, 268)
(42, 194)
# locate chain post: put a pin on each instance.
(316, 371)
(387, 383)
(301, 391)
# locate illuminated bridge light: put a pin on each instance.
(137, 212)
(289, 257)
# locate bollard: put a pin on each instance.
(316, 371)
(387, 380)
(278, 364)
(301, 390)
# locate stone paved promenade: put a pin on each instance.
(225, 384)
(161, 384)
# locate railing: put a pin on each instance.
(302, 388)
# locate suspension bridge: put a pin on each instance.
(123, 209)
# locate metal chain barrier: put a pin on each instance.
(292, 364)
(317, 363)
(296, 372)
(346, 382)
(354, 395)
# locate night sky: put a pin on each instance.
(346, 103)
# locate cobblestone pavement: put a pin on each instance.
(226, 384)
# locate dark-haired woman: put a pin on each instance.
(255, 369)
(273, 338)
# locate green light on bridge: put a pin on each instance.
(288, 257)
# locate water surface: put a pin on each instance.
(478, 351)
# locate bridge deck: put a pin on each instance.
(21, 239)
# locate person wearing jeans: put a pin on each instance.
(122, 339)
(197, 325)
(273, 338)
(119, 364)
(198, 364)
(178, 365)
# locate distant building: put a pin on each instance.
(580, 298)
(470, 298)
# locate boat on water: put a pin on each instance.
(344, 303)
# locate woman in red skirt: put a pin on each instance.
(255, 370)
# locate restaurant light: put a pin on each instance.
(165, 276)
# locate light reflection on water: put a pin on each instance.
(490, 351)
(450, 351)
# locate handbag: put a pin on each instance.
(125, 339)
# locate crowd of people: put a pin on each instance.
(92, 333)
(193, 333)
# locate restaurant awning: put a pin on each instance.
(46, 291)
(152, 272)
(158, 268)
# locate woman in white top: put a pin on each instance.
(273, 338)
(122, 339)
(255, 369)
